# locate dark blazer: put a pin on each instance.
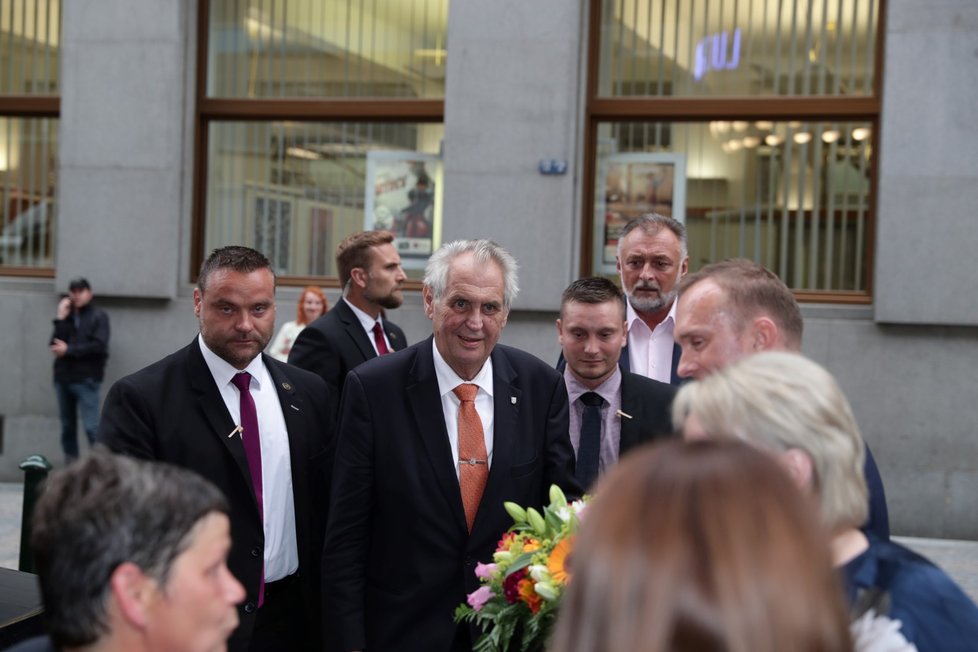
(335, 343)
(88, 345)
(649, 403)
(398, 557)
(625, 364)
(172, 411)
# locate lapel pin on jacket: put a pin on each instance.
(623, 414)
(512, 399)
(298, 410)
(287, 387)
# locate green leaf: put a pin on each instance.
(536, 521)
(520, 562)
(517, 513)
(557, 497)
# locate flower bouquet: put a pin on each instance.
(522, 586)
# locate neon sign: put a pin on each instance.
(712, 54)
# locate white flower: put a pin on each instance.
(564, 513)
(874, 633)
(539, 573)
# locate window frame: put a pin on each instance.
(694, 109)
(208, 109)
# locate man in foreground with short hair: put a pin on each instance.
(356, 329)
(611, 411)
(257, 428)
(131, 557)
(736, 308)
(432, 441)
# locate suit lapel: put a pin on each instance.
(506, 404)
(677, 352)
(211, 405)
(630, 405)
(424, 400)
(355, 330)
(293, 409)
(397, 342)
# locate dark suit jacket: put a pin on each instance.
(335, 343)
(172, 411)
(649, 403)
(398, 557)
(625, 364)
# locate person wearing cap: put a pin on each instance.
(80, 345)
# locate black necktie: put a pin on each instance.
(589, 447)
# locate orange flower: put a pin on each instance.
(528, 595)
(506, 541)
(531, 545)
(557, 563)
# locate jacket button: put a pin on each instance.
(249, 608)
(256, 552)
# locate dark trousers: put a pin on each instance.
(279, 624)
(72, 398)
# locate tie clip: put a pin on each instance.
(472, 462)
(623, 414)
(236, 430)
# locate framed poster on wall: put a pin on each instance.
(630, 185)
(403, 196)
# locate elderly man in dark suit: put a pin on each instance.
(432, 440)
(356, 329)
(255, 427)
(611, 411)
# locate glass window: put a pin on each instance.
(793, 196)
(294, 190)
(29, 105)
(321, 118)
(751, 121)
(746, 48)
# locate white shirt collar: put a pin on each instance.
(668, 323)
(223, 372)
(365, 320)
(449, 380)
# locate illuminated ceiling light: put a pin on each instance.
(740, 125)
(735, 145)
(802, 137)
(773, 140)
(750, 142)
(726, 147)
(794, 124)
(830, 136)
(723, 127)
(301, 152)
(764, 125)
(860, 133)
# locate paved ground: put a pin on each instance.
(958, 558)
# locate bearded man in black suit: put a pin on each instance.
(258, 429)
(432, 440)
(611, 410)
(357, 328)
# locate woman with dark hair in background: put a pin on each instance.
(701, 547)
(312, 306)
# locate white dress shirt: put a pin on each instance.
(278, 503)
(368, 325)
(448, 380)
(650, 351)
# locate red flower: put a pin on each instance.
(511, 586)
(506, 541)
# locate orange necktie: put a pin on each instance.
(473, 461)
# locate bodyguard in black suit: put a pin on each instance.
(611, 411)
(402, 542)
(356, 329)
(187, 410)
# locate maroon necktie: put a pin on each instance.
(252, 447)
(379, 339)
